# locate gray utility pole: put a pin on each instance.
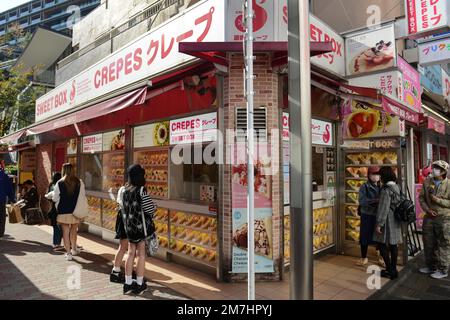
(249, 94)
(301, 267)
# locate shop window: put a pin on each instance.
(318, 157)
(91, 168)
(195, 181)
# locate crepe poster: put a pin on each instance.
(263, 213)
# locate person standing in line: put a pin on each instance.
(435, 201)
(6, 195)
(57, 232)
(116, 275)
(369, 194)
(135, 200)
(388, 230)
(65, 195)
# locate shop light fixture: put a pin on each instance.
(435, 113)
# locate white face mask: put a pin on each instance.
(374, 178)
(437, 173)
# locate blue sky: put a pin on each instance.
(8, 4)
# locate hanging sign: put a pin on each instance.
(436, 52)
(93, 143)
(436, 125)
(427, 16)
(201, 128)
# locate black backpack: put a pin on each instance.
(405, 210)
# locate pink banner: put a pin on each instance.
(412, 95)
(436, 125)
(420, 214)
(390, 106)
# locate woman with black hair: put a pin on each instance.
(57, 232)
(134, 202)
(388, 229)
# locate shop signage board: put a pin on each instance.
(412, 92)
(427, 16)
(371, 144)
(201, 128)
(446, 86)
(435, 52)
(271, 17)
(263, 213)
(322, 131)
(147, 56)
(436, 125)
(114, 140)
(431, 78)
(370, 51)
(402, 113)
(72, 147)
(27, 161)
(361, 121)
(390, 83)
(151, 135)
(93, 143)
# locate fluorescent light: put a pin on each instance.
(435, 113)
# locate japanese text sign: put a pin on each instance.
(194, 129)
(149, 55)
(435, 52)
(424, 16)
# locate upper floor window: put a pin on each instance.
(23, 10)
(13, 14)
(36, 4)
(2, 18)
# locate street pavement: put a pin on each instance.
(412, 285)
(30, 270)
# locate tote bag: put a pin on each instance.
(81, 209)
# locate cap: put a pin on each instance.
(374, 170)
(441, 164)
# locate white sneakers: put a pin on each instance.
(68, 257)
(439, 275)
(426, 270)
(75, 252)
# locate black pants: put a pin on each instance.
(389, 260)
(2, 218)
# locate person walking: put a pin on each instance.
(65, 195)
(57, 232)
(117, 275)
(369, 194)
(435, 201)
(6, 195)
(388, 232)
(136, 202)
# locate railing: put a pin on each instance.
(146, 15)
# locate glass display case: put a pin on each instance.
(357, 164)
(156, 165)
(109, 214)
(95, 211)
(113, 171)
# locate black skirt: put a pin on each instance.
(120, 228)
(367, 228)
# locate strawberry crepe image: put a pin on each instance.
(380, 56)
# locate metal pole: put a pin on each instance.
(250, 148)
(301, 270)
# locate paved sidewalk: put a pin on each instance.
(29, 269)
(411, 285)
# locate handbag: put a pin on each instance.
(151, 242)
(82, 208)
(14, 214)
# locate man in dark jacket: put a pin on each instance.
(6, 195)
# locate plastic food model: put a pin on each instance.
(353, 196)
(354, 223)
(390, 158)
(354, 158)
(353, 171)
(377, 158)
(363, 172)
(213, 240)
(163, 241)
(352, 235)
(365, 158)
(355, 184)
(352, 211)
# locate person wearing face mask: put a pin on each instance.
(369, 194)
(435, 201)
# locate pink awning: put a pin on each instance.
(126, 100)
(12, 138)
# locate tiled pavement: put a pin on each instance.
(27, 261)
(29, 269)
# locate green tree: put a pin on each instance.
(13, 96)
